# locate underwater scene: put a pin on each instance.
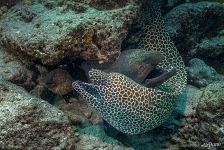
(111, 75)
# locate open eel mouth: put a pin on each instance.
(159, 75)
(87, 90)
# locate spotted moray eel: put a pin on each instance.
(127, 105)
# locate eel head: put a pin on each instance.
(91, 91)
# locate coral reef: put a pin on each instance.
(50, 33)
(210, 48)
(38, 37)
(200, 75)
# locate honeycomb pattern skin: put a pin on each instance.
(156, 38)
(128, 106)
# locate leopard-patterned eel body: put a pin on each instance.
(128, 106)
(157, 39)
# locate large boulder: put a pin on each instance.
(197, 30)
(78, 112)
(200, 74)
(203, 128)
(15, 70)
(94, 137)
(189, 100)
(27, 122)
(190, 23)
(211, 48)
(52, 30)
(211, 113)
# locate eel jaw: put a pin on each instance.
(89, 92)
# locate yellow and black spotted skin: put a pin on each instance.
(128, 106)
(157, 39)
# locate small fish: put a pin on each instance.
(59, 82)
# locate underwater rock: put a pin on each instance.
(188, 101)
(200, 74)
(50, 33)
(28, 122)
(94, 137)
(191, 23)
(78, 112)
(212, 101)
(210, 48)
(8, 3)
(12, 69)
(3, 10)
(206, 124)
(40, 90)
(211, 112)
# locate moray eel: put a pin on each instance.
(137, 64)
(157, 39)
(129, 106)
(126, 105)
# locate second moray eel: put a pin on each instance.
(137, 64)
